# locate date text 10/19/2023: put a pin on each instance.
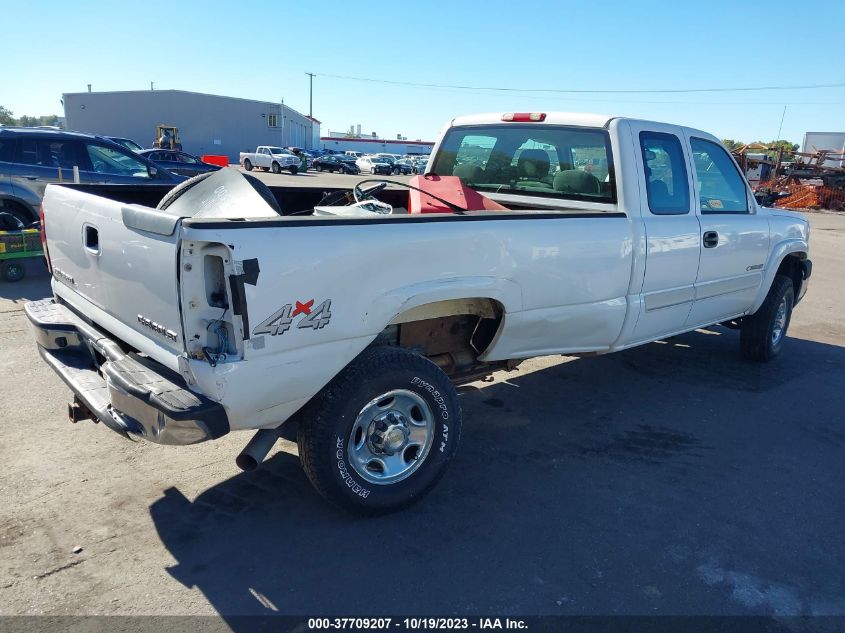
(413, 624)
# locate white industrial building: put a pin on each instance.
(208, 124)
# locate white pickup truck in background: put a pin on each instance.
(271, 158)
(222, 311)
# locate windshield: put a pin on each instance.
(537, 160)
(130, 145)
(278, 150)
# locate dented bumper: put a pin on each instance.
(131, 394)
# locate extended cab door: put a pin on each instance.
(734, 237)
(672, 231)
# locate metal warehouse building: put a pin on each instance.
(208, 124)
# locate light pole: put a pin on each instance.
(310, 94)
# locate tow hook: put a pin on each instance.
(77, 411)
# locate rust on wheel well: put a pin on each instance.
(452, 333)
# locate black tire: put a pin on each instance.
(276, 168)
(248, 165)
(293, 170)
(12, 271)
(327, 422)
(183, 187)
(757, 335)
(319, 168)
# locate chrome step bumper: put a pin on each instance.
(131, 394)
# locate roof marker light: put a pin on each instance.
(524, 117)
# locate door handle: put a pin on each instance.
(710, 239)
(91, 239)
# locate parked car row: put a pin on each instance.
(336, 163)
(32, 158)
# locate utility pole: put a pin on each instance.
(310, 94)
(780, 127)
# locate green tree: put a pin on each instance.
(6, 117)
(731, 144)
(775, 145)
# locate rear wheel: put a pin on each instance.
(12, 271)
(276, 168)
(762, 333)
(248, 165)
(380, 435)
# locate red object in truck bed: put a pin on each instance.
(449, 188)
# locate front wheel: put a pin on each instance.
(761, 334)
(380, 435)
(319, 168)
(276, 168)
(248, 165)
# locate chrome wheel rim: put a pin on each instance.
(780, 322)
(391, 437)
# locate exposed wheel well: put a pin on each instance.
(791, 267)
(452, 333)
(14, 205)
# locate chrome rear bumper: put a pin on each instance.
(129, 393)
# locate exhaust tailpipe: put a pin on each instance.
(256, 450)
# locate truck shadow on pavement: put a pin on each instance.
(675, 478)
(36, 285)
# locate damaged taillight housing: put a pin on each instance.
(43, 232)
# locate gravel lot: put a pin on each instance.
(670, 479)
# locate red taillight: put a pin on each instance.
(524, 117)
(44, 238)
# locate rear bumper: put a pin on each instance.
(131, 394)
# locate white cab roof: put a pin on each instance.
(581, 119)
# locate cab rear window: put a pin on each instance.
(537, 160)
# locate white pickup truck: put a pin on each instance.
(271, 158)
(232, 306)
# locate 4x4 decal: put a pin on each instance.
(282, 319)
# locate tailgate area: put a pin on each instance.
(131, 394)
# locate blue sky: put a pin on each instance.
(262, 50)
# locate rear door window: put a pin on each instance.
(52, 153)
(667, 186)
(549, 161)
(7, 150)
(721, 188)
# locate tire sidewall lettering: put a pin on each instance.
(441, 405)
(343, 471)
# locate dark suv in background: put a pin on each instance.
(32, 158)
